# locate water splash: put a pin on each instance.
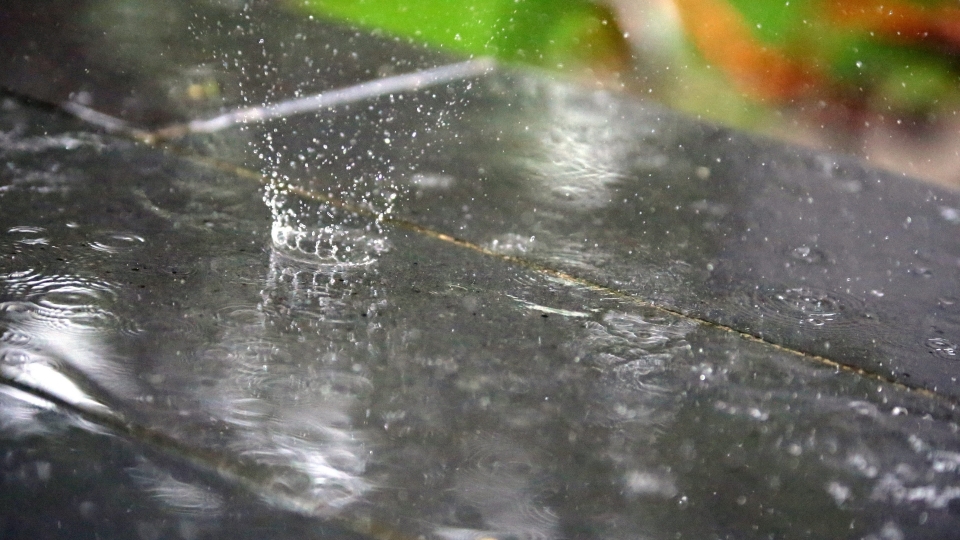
(327, 232)
(574, 161)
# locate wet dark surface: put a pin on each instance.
(808, 251)
(500, 307)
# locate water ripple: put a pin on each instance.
(181, 497)
(498, 494)
(624, 338)
(54, 332)
(52, 299)
(805, 311)
(943, 348)
(113, 243)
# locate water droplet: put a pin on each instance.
(950, 214)
(809, 255)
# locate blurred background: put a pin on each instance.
(877, 79)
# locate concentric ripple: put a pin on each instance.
(58, 298)
(799, 309)
(54, 331)
(497, 495)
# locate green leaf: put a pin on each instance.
(551, 33)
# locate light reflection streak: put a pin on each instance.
(57, 350)
(292, 444)
(577, 158)
(182, 497)
(405, 82)
(289, 405)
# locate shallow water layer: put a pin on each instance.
(438, 391)
(562, 314)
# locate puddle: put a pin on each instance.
(443, 392)
(332, 363)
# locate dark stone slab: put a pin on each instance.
(213, 385)
(809, 251)
(812, 252)
(62, 479)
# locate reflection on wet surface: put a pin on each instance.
(475, 311)
(512, 405)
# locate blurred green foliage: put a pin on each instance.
(550, 33)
